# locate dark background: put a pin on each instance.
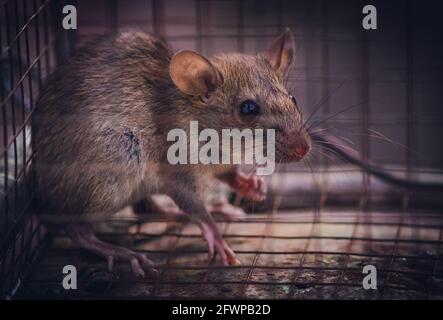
(393, 74)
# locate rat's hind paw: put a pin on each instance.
(83, 235)
(226, 210)
(140, 264)
(216, 244)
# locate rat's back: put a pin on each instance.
(86, 123)
(106, 71)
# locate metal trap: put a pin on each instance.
(321, 223)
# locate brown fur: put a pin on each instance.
(101, 123)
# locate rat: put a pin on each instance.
(101, 123)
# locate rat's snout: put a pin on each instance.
(301, 150)
(300, 145)
(293, 144)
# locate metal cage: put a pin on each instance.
(321, 223)
(31, 46)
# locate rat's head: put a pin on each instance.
(245, 91)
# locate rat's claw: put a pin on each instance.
(84, 236)
(216, 244)
(227, 255)
(110, 263)
(145, 261)
(251, 187)
(232, 258)
(262, 188)
(153, 273)
(256, 190)
(136, 268)
(148, 265)
(140, 264)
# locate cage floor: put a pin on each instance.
(296, 255)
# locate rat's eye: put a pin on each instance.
(294, 101)
(249, 108)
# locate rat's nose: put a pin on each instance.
(301, 150)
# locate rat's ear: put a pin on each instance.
(193, 74)
(281, 52)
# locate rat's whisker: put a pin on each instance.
(323, 101)
(376, 135)
(321, 130)
(324, 154)
(383, 137)
(333, 116)
(279, 164)
(345, 139)
(336, 145)
(332, 151)
(342, 172)
(338, 113)
(314, 179)
(378, 138)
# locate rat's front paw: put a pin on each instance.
(251, 187)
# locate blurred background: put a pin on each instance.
(394, 73)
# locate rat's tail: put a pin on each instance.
(376, 170)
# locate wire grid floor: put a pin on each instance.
(289, 254)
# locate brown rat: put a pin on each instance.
(101, 123)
